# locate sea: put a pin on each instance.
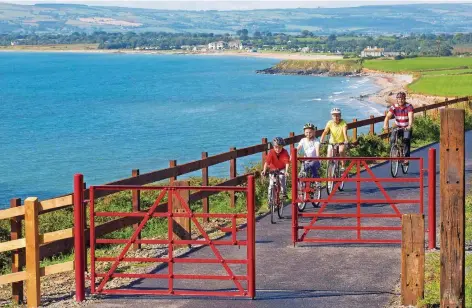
(103, 115)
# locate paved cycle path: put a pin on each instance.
(308, 275)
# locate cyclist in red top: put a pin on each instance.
(403, 113)
(277, 159)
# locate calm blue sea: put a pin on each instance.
(105, 114)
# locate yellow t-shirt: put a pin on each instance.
(336, 131)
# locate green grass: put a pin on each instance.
(418, 64)
(441, 76)
(447, 72)
(447, 85)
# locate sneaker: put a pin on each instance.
(343, 169)
(406, 162)
(318, 185)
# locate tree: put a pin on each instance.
(332, 38)
(257, 34)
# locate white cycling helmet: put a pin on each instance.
(335, 110)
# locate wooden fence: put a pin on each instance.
(27, 251)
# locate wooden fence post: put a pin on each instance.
(206, 200)
(372, 131)
(33, 287)
(292, 145)
(424, 111)
(452, 185)
(232, 175)
(17, 256)
(181, 226)
(136, 195)
(264, 153)
(446, 102)
(172, 163)
(354, 132)
(412, 277)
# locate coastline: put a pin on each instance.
(266, 55)
(389, 83)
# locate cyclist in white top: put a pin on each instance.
(311, 148)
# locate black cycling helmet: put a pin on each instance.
(278, 141)
(401, 95)
(308, 125)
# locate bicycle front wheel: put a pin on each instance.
(280, 207)
(338, 175)
(405, 168)
(330, 172)
(301, 196)
(394, 153)
(316, 194)
(272, 204)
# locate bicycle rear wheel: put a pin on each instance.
(394, 153)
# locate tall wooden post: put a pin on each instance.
(264, 153)
(172, 163)
(206, 200)
(17, 256)
(232, 175)
(181, 226)
(372, 131)
(292, 145)
(33, 291)
(424, 111)
(354, 132)
(412, 278)
(136, 196)
(452, 185)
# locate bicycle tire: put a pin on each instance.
(405, 168)
(330, 174)
(272, 205)
(301, 195)
(316, 195)
(394, 163)
(338, 175)
(280, 207)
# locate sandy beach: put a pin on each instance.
(391, 84)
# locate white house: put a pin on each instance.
(235, 45)
(220, 45)
(372, 52)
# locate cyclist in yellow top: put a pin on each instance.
(337, 128)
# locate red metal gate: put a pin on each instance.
(244, 285)
(320, 217)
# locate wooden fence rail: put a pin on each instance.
(36, 246)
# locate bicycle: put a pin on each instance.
(275, 202)
(396, 150)
(314, 192)
(333, 169)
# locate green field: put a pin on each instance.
(418, 64)
(442, 76)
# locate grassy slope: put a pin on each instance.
(442, 76)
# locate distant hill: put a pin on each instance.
(388, 19)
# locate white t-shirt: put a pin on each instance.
(309, 146)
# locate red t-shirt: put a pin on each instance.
(277, 161)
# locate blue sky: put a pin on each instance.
(232, 5)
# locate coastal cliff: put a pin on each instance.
(317, 67)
